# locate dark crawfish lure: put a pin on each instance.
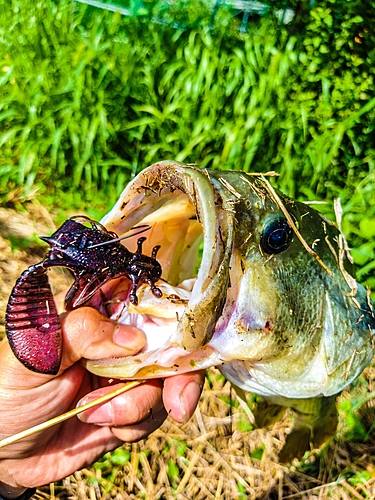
(94, 256)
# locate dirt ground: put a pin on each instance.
(215, 455)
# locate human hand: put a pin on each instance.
(29, 398)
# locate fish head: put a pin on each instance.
(254, 283)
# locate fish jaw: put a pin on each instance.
(182, 208)
(192, 341)
(155, 198)
(163, 355)
(245, 331)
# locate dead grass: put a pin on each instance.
(212, 456)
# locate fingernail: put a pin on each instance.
(130, 337)
(100, 415)
(188, 400)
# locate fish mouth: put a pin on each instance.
(192, 222)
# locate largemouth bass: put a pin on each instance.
(273, 304)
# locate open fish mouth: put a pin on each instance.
(193, 225)
(275, 319)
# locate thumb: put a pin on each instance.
(88, 334)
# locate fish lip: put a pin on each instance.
(141, 200)
(166, 361)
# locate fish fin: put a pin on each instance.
(296, 444)
(267, 413)
(315, 421)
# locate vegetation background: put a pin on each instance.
(89, 97)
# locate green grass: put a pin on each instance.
(89, 98)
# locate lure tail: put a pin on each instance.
(32, 322)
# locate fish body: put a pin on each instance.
(273, 304)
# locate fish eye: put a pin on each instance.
(277, 236)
